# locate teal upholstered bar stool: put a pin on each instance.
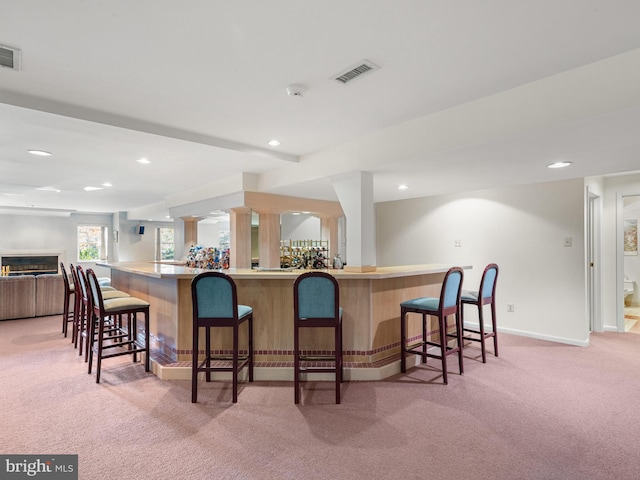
(486, 295)
(215, 304)
(441, 308)
(316, 303)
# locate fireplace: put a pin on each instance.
(29, 264)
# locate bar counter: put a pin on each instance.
(370, 301)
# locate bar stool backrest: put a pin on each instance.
(452, 288)
(65, 279)
(82, 278)
(317, 296)
(488, 282)
(96, 293)
(214, 296)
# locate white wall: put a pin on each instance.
(300, 227)
(209, 233)
(134, 247)
(33, 232)
(40, 232)
(523, 230)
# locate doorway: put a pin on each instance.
(629, 297)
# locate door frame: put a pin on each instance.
(593, 262)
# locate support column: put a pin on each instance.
(185, 237)
(240, 249)
(329, 231)
(269, 239)
(355, 193)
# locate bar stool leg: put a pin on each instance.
(403, 339)
(296, 366)
(147, 347)
(250, 353)
(459, 335)
(194, 366)
(424, 338)
(443, 346)
(495, 326)
(481, 322)
(338, 362)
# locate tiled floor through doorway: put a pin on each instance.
(632, 319)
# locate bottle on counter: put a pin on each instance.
(337, 261)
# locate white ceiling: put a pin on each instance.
(470, 94)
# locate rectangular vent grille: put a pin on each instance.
(354, 72)
(9, 57)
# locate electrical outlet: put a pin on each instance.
(510, 307)
(457, 243)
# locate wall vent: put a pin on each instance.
(9, 57)
(357, 71)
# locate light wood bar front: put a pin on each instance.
(371, 304)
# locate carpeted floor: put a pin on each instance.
(539, 411)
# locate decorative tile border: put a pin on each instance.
(170, 358)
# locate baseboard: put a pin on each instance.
(549, 338)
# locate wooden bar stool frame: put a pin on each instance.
(123, 339)
(486, 295)
(69, 290)
(327, 315)
(204, 287)
(447, 305)
(81, 308)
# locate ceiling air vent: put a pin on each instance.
(357, 71)
(9, 57)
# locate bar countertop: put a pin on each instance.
(178, 271)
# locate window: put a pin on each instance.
(164, 243)
(92, 243)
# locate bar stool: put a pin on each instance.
(83, 326)
(124, 340)
(69, 290)
(316, 300)
(447, 304)
(215, 304)
(486, 295)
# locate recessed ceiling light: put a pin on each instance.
(403, 187)
(41, 153)
(274, 142)
(559, 164)
(143, 160)
(91, 189)
(107, 184)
